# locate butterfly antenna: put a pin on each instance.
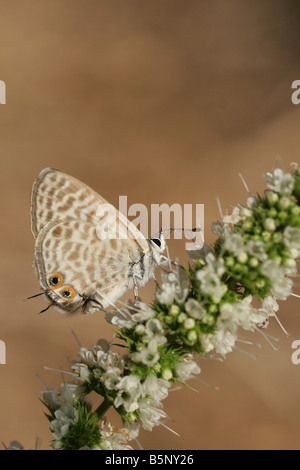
(76, 337)
(36, 295)
(45, 309)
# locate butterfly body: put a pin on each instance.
(78, 269)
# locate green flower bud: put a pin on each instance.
(174, 310)
(213, 308)
(192, 336)
(181, 318)
(266, 236)
(253, 262)
(208, 320)
(131, 417)
(283, 215)
(260, 283)
(140, 329)
(247, 225)
(272, 197)
(272, 213)
(284, 202)
(277, 237)
(242, 257)
(230, 261)
(245, 212)
(167, 374)
(295, 210)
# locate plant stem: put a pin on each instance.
(102, 409)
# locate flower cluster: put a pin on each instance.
(197, 310)
(75, 427)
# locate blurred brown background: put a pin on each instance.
(163, 102)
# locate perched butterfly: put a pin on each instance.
(77, 269)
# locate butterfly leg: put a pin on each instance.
(156, 282)
(86, 301)
(135, 289)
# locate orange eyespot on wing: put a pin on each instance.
(67, 293)
(55, 280)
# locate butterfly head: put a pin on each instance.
(158, 246)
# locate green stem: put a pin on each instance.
(102, 409)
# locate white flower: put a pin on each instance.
(234, 243)
(270, 306)
(195, 309)
(251, 202)
(174, 287)
(149, 355)
(281, 285)
(150, 413)
(167, 293)
(207, 343)
(143, 313)
(91, 357)
(241, 313)
(155, 330)
(119, 317)
(120, 322)
(257, 249)
(65, 416)
(209, 277)
(155, 388)
(129, 390)
(280, 182)
(111, 360)
(217, 229)
(115, 439)
(224, 341)
(98, 358)
(291, 237)
(234, 218)
(81, 370)
(199, 253)
(64, 395)
(110, 378)
(186, 368)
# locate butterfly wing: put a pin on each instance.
(57, 196)
(68, 250)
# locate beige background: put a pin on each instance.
(163, 102)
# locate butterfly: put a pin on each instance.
(78, 270)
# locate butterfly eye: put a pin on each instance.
(67, 293)
(156, 241)
(55, 280)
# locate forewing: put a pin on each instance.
(57, 196)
